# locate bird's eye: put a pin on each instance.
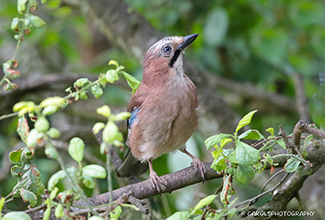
(167, 49)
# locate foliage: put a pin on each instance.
(263, 42)
(243, 163)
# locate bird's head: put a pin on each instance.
(165, 57)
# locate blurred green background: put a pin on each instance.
(257, 43)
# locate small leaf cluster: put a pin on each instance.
(242, 158)
(29, 185)
(112, 76)
(111, 134)
(20, 26)
(83, 176)
(242, 162)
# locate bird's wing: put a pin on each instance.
(131, 166)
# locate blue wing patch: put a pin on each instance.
(134, 114)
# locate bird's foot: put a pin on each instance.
(159, 184)
(199, 167)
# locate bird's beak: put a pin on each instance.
(187, 41)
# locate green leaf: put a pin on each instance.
(205, 201)
(88, 182)
(54, 101)
(227, 189)
(59, 211)
(308, 139)
(246, 120)
(113, 62)
(96, 218)
(27, 155)
(23, 107)
(83, 95)
(80, 82)
(291, 165)
(55, 178)
(104, 110)
(116, 213)
(21, 6)
(51, 152)
(49, 110)
(246, 155)
(54, 193)
(216, 139)
(112, 76)
(32, 138)
(216, 26)
(28, 196)
(245, 173)
(53, 133)
(15, 156)
(16, 215)
(94, 171)
(47, 213)
(76, 149)
(232, 157)
(110, 132)
(33, 5)
(219, 162)
(44, 1)
(251, 134)
(42, 124)
(271, 131)
(36, 21)
(133, 82)
(181, 215)
(102, 79)
(98, 126)
(15, 24)
(97, 91)
(15, 171)
(2, 202)
(225, 141)
(281, 143)
(31, 180)
(121, 116)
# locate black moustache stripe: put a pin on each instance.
(173, 60)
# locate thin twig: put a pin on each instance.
(33, 210)
(269, 180)
(301, 97)
(264, 193)
(284, 136)
(109, 174)
(292, 155)
(218, 190)
(266, 183)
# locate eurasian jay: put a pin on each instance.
(164, 110)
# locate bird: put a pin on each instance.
(164, 111)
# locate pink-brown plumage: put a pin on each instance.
(164, 107)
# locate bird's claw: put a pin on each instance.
(199, 166)
(159, 184)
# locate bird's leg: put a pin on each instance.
(156, 181)
(197, 163)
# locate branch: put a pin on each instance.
(248, 90)
(145, 189)
(301, 127)
(189, 176)
(301, 97)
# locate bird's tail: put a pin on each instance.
(131, 166)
